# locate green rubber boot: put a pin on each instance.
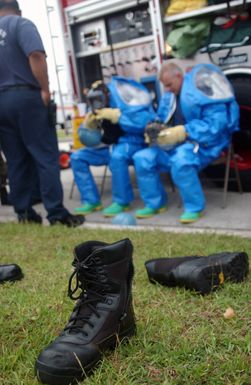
(147, 212)
(88, 208)
(114, 209)
(188, 217)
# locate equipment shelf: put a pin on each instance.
(204, 11)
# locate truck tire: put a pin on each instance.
(242, 88)
(242, 139)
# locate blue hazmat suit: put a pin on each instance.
(135, 104)
(81, 161)
(210, 115)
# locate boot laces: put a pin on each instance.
(92, 281)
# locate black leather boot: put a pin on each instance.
(30, 216)
(10, 272)
(202, 274)
(161, 269)
(102, 316)
(69, 220)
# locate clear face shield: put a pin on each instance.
(213, 84)
(96, 99)
(131, 95)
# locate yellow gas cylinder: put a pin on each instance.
(76, 121)
(75, 126)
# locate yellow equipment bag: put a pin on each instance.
(178, 6)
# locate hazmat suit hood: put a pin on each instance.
(206, 85)
(135, 103)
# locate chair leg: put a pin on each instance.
(103, 181)
(171, 183)
(237, 174)
(231, 156)
(101, 188)
(226, 178)
(168, 178)
(72, 189)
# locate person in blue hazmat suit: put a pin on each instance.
(97, 137)
(125, 108)
(196, 117)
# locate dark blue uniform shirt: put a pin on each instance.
(178, 117)
(18, 39)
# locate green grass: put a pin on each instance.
(182, 338)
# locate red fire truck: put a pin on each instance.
(127, 38)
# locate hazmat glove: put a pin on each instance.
(152, 131)
(111, 114)
(172, 135)
(90, 120)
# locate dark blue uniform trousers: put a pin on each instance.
(29, 142)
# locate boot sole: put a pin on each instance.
(114, 215)
(187, 221)
(159, 211)
(45, 377)
(234, 268)
(98, 208)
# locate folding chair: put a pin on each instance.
(102, 184)
(228, 158)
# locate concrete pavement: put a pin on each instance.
(234, 219)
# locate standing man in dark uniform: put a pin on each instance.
(26, 135)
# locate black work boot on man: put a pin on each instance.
(30, 216)
(69, 220)
(9, 273)
(202, 274)
(102, 316)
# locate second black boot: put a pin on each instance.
(202, 274)
(102, 316)
(161, 269)
(9, 273)
(207, 274)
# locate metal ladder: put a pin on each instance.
(50, 9)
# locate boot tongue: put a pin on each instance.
(87, 278)
(84, 250)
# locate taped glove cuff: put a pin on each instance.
(173, 135)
